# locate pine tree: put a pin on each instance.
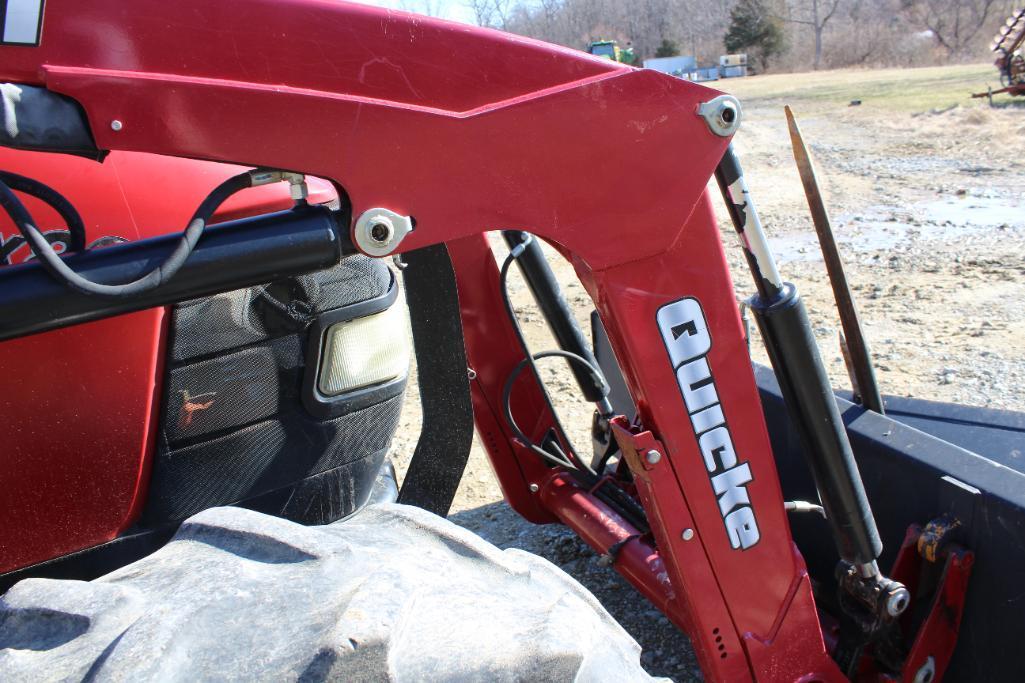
(668, 48)
(754, 31)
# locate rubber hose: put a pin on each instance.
(63, 273)
(55, 200)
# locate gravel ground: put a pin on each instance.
(929, 210)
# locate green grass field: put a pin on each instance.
(901, 90)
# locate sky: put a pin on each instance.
(456, 10)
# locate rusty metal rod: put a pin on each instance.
(863, 376)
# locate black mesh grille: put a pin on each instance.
(234, 319)
(234, 390)
(264, 456)
(233, 424)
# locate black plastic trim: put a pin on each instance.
(327, 407)
(46, 121)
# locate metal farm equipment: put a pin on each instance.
(610, 49)
(1010, 58)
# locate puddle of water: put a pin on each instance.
(879, 229)
(980, 211)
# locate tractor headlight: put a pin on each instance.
(366, 351)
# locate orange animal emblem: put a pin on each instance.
(192, 404)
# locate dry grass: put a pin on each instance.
(898, 90)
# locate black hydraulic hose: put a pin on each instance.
(611, 494)
(529, 360)
(63, 273)
(545, 288)
(608, 492)
(507, 396)
(57, 201)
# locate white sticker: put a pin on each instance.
(688, 342)
(23, 21)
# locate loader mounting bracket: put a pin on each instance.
(936, 571)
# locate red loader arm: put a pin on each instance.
(469, 130)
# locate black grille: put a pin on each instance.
(232, 320)
(233, 426)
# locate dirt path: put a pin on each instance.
(929, 207)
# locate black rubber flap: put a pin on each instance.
(444, 446)
(42, 121)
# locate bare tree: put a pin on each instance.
(953, 23)
(823, 33)
(491, 13)
(432, 8)
(816, 14)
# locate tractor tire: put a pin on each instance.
(390, 593)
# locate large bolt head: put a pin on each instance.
(378, 232)
(381, 230)
(897, 601)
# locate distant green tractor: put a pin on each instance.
(609, 49)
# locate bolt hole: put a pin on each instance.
(721, 647)
(718, 639)
(722, 656)
(380, 233)
(728, 115)
(715, 631)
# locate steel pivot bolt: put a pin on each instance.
(379, 231)
(116, 125)
(382, 231)
(687, 534)
(534, 488)
(722, 114)
(897, 601)
(652, 456)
